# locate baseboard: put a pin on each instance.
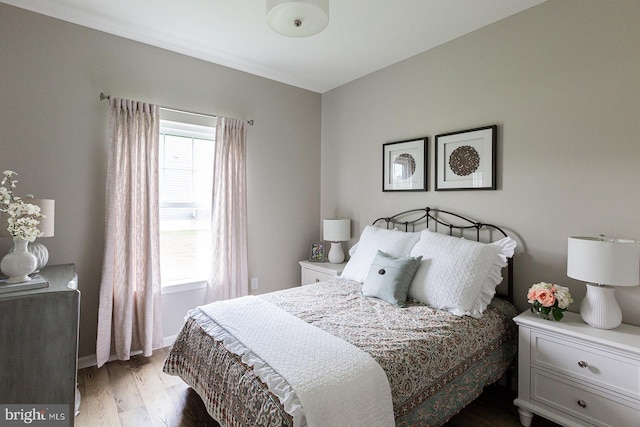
(87, 361)
(168, 341)
(91, 360)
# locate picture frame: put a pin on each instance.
(404, 165)
(316, 252)
(466, 160)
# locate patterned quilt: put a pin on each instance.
(435, 362)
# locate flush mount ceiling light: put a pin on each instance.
(297, 18)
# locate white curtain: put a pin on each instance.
(229, 277)
(129, 316)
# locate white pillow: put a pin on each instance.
(392, 242)
(458, 275)
(353, 249)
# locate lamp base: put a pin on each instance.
(336, 254)
(41, 252)
(599, 307)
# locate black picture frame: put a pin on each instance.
(316, 252)
(466, 159)
(404, 165)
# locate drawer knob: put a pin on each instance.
(317, 280)
(583, 364)
(582, 404)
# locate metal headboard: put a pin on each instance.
(415, 219)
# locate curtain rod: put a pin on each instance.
(179, 110)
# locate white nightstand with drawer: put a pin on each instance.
(576, 375)
(314, 272)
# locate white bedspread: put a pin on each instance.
(336, 383)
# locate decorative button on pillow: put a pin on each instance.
(389, 278)
(392, 242)
(458, 275)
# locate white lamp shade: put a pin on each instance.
(336, 230)
(48, 209)
(298, 18)
(604, 261)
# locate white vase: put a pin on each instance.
(19, 263)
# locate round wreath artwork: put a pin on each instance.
(464, 160)
(407, 166)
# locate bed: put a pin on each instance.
(437, 346)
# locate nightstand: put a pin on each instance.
(314, 272)
(39, 344)
(576, 375)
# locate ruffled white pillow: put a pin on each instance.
(373, 239)
(458, 275)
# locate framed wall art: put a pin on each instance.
(316, 253)
(404, 165)
(466, 160)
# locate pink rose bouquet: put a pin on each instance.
(549, 299)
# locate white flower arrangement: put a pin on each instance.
(23, 218)
(547, 298)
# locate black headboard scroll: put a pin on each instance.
(424, 218)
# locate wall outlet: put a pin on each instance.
(254, 283)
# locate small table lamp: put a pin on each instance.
(46, 227)
(603, 262)
(336, 231)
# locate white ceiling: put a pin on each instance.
(362, 36)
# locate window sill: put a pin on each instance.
(179, 286)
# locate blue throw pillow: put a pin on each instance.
(389, 278)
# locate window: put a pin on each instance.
(186, 178)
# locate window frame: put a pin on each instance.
(193, 131)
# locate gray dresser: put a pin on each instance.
(39, 342)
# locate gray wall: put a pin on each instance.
(53, 132)
(561, 81)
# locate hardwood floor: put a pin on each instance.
(137, 393)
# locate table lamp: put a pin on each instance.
(336, 231)
(46, 227)
(603, 262)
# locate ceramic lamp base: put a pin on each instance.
(41, 253)
(336, 254)
(599, 307)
